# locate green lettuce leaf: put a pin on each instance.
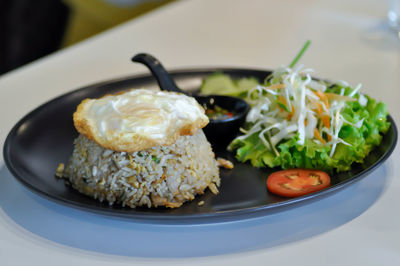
(317, 156)
(221, 84)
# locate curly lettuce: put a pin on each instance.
(284, 142)
(314, 155)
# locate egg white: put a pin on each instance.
(139, 119)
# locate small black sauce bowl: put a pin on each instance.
(220, 132)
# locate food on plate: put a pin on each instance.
(225, 163)
(139, 119)
(297, 182)
(296, 121)
(142, 148)
(218, 113)
(220, 84)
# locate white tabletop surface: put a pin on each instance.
(360, 225)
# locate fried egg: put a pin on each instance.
(139, 119)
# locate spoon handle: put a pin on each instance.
(163, 78)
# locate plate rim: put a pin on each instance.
(217, 216)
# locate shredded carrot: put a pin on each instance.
(326, 103)
(323, 98)
(282, 100)
(318, 136)
(326, 120)
(318, 109)
(329, 137)
(290, 116)
(277, 86)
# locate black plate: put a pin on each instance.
(44, 138)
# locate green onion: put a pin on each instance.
(155, 159)
(300, 54)
(284, 107)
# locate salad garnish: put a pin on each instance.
(296, 121)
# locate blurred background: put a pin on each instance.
(32, 29)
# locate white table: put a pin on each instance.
(359, 225)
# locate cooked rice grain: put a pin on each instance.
(159, 176)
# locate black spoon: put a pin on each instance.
(219, 131)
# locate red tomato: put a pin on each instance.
(297, 182)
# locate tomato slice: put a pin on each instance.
(297, 182)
